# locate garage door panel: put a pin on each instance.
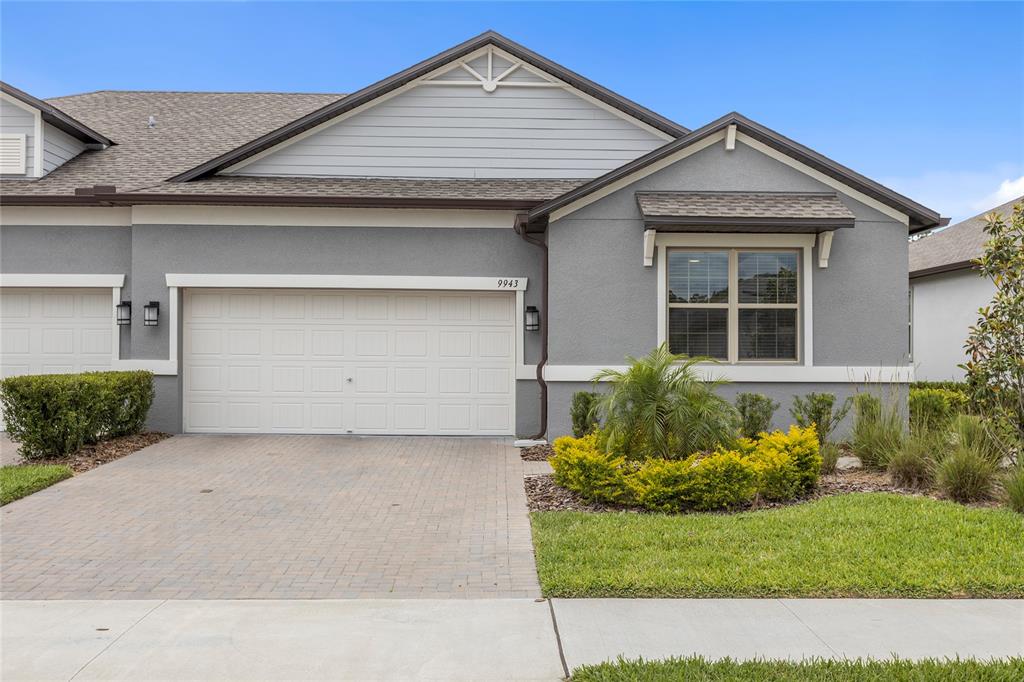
(352, 362)
(55, 331)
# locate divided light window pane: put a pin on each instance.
(767, 277)
(767, 334)
(699, 331)
(698, 277)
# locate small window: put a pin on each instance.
(734, 305)
(12, 154)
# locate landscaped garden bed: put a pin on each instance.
(698, 668)
(66, 424)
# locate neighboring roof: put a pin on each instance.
(56, 117)
(191, 127)
(401, 78)
(920, 216)
(805, 210)
(955, 247)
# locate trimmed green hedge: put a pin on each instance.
(51, 415)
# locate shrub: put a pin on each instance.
(829, 458)
(977, 435)
(878, 431)
(799, 444)
(778, 476)
(660, 407)
(932, 408)
(582, 412)
(912, 465)
(701, 482)
(966, 476)
(756, 411)
(1013, 487)
(819, 409)
(52, 415)
(581, 466)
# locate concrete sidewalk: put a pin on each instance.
(595, 630)
(492, 639)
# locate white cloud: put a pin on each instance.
(1008, 189)
(960, 195)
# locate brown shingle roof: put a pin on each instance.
(956, 246)
(191, 127)
(526, 190)
(747, 207)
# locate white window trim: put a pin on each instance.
(768, 374)
(804, 242)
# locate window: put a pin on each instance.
(734, 304)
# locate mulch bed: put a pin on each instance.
(536, 453)
(92, 456)
(544, 495)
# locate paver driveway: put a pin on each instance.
(234, 517)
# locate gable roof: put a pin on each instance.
(56, 117)
(955, 247)
(410, 74)
(190, 128)
(920, 216)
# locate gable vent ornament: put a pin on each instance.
(490, 75)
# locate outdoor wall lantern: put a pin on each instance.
(124, 312)
(532, 320)
(151, 314)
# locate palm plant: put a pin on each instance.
(660, 407)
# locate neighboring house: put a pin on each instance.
(403, 259)
(946, 292)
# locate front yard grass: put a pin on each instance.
(857, 545)
(1011, 670)
(24, 479)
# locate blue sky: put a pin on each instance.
(924, 97)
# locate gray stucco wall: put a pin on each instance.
(146, 253)
(603, 300)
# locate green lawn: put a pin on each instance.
(858, 545)
(24, 479)
(777, 671)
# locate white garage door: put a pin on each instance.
(372, 362)
(55, 331)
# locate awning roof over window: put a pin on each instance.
(743, 211)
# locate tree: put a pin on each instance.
(995, 346)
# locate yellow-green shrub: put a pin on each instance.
(778, 477)
(800, 445)
(718, 481)
(581, 466)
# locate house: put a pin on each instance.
(455, 249)
(946, 292)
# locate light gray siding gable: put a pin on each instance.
(58, 148)
(15, 120)
(530, 130)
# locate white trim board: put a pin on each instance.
(78, 281)
(64, 216)
(262, 281)
(758, 373)
(279, 216)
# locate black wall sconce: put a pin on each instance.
(124, 312)
(531, 318)
(151, 314)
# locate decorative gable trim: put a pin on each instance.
(410, 77)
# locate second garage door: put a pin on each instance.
(387, 362)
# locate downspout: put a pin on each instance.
(521, 227)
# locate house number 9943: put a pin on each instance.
(508, 283)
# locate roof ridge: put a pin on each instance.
(198, 92)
